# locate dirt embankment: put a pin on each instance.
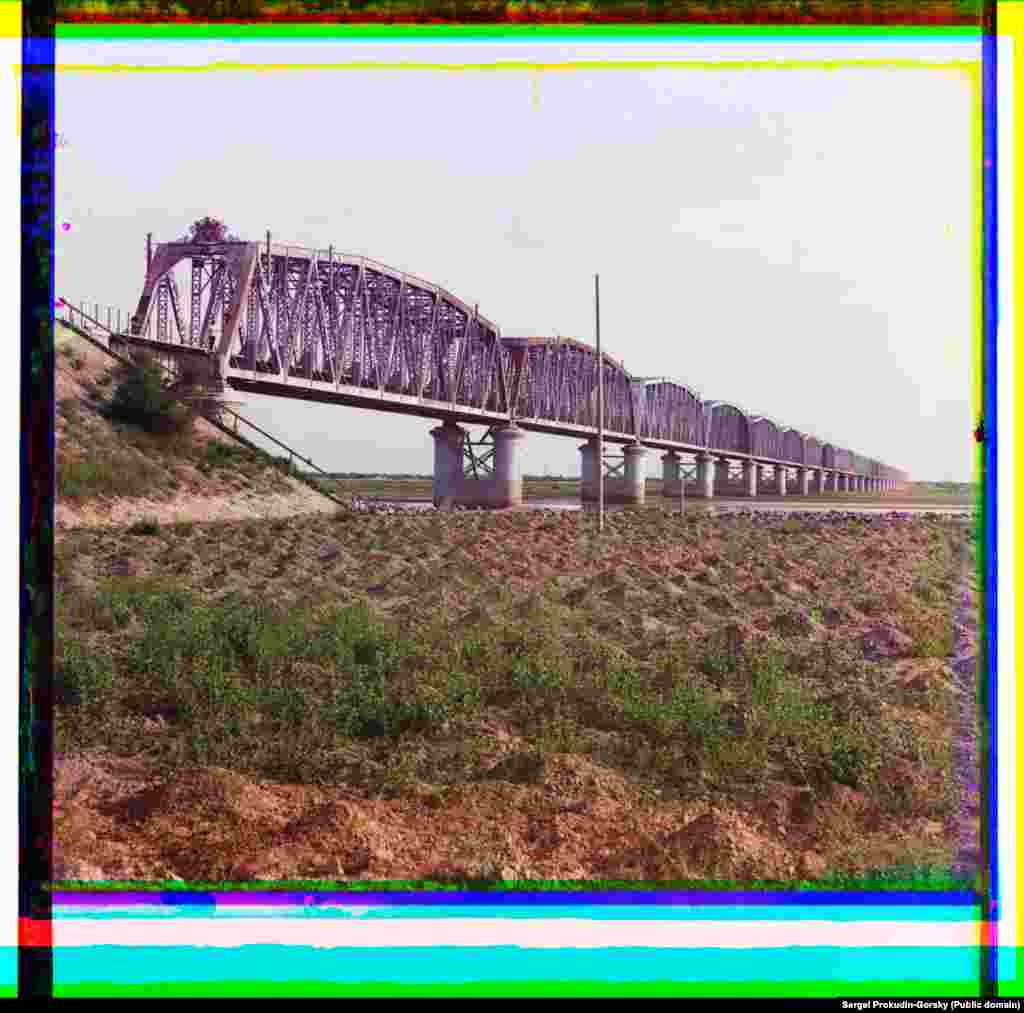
(113, 476)
(570, 714)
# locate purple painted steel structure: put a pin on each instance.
(314, 324)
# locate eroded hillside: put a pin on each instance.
(112, 475)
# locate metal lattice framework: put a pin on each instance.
(300, 322)
(291, 313)
(556, 380)
(671, 411)
(766, 439)
(812, 451)
(726, 427)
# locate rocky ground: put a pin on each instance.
(253, 684)
(497, 791)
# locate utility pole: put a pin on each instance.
(600, 409)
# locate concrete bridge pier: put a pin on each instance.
(636, 475)
(670, 474)
(628, 490)
(819, 480)
(588, 470)
(449, 443)
(705, 476)
(830, 480)
(505, 487)
(722, 476)
(780, 480)
(803, 477)
(749, 478)
(502, 488)
(841, 483)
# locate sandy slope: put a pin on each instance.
(200, 498)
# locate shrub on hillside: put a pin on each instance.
(141, 398)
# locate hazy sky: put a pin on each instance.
(796, 241)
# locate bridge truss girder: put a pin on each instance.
(280, 315)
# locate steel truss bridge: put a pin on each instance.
(317, 325)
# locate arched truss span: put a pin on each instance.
(812, 451)
(726, 427)
(792, 446)
(275, 312)
(292, 312)
(556, 379)
(834, 457)
(671, 411)
(765, 437)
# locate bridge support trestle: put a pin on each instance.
(495, 477)
(671, 475)
(705, 476)
(750, 470)
(624, 484)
